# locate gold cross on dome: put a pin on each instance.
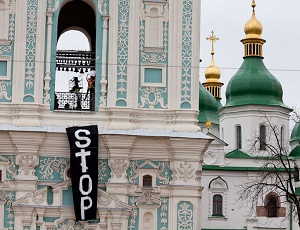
(213, 39)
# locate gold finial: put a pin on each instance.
(253, 42)
(253, 5)
(208, 125)
(213, 39)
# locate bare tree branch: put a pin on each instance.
(277, 171)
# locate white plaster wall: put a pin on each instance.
(238, 216)
(249, 118)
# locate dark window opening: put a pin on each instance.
(68, 173)
(272, 207)
(147, 181)
(238, 137)
(217, 205)
(262, 137)
(282, 137)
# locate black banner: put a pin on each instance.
(84, 170)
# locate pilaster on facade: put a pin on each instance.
(19, 51)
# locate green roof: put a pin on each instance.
(237, 154)
(295, 153)
(208, 106)
(253, 84)
(295, 135)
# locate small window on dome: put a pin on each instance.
(262, 137)
(282, 137)
(238, 137)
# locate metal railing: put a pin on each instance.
(74, 101)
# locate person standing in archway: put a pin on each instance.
(90, 78)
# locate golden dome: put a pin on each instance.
(212, 73)
(253, 28)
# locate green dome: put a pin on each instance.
(208, 106)
(295, 135)
(253, 84)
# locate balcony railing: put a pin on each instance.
(74, 101)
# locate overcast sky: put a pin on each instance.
(281, 23)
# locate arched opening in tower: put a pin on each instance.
(75, 57)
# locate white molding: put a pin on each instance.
(4, 21)
(161, 67)
(6, 59)
(159, 17)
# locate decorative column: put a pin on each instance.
(103, 81)
(47, 78)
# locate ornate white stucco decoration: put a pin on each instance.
(10, 212)
(50, 165)
(26, 165)
(133, 173)
(53, 8)
(103, 7)
(38, 197)
(185, 171)
(111, 201)
(152, 96)
(148, 198)
(118, 167)
(209, 158)
(185, 216)
(162, 172)
(3, 90)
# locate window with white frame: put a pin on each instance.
(218, 189)
(5, 67)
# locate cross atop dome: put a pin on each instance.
(213, 39)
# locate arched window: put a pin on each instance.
(147, 181)
(262, 137)
(272, 205)
(218, 198)
(238, 137)
(217, 205)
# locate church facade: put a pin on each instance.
(161, 164)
